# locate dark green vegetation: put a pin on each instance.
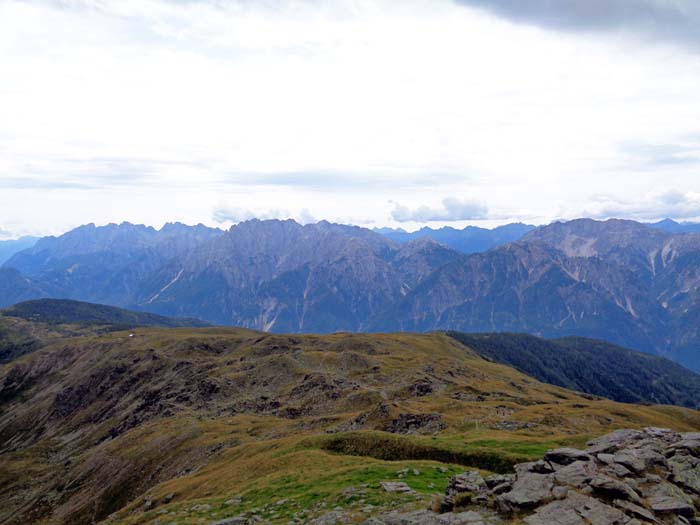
(196, 425)
(63, 311)
(389, 447)
(591, 366)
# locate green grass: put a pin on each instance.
(295, 496)
(531, 449)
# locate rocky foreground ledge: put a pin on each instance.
(629, 477)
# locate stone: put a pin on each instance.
(689, 445)
(661, 433)
(560, 492)
(608, 459)
(630, 460)
(620, 470)
(614, 489)
(416, 424)
(396, 486)
(429, 518)
(502, 488)
(628, 477)
(239, 520)
(614, 441)
(566, 456)
(597, 512)
(538, 467)
(529, 491)
(685, 472)
(330, 518)
(576, 474)
(635, 510)
(498, 480)
(671, 505)
(556, 513)
(470, 481)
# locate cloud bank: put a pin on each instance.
(234, 215)
(654, 206)
(451, 210)
(675, 21)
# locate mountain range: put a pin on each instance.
(471, 239)
(629, 283)
(11, 247)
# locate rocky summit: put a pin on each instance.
(628, 477)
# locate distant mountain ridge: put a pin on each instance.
(65, 311)
(629, 283)
(672, 226)
(104, 264)
(9, 248)
(468, 240)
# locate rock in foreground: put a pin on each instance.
(628, 477)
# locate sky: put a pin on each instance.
(371, 112)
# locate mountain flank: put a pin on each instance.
(591, 366)
(11, 247)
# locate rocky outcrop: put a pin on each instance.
(628, 477)
(416, 424)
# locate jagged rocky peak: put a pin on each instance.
(589, 238)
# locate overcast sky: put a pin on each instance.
(374, 112)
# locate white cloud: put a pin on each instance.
(234, 215)
(669, 20)
(452, 209)
(673, 204)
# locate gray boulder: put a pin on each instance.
(529, 491)
(566, 456)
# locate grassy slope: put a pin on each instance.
(184, 420)
(28, 326)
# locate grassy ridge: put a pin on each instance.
(64, 311)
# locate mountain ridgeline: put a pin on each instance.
(632, 284)
(469, 240)
(31, 325)
(9, 248)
